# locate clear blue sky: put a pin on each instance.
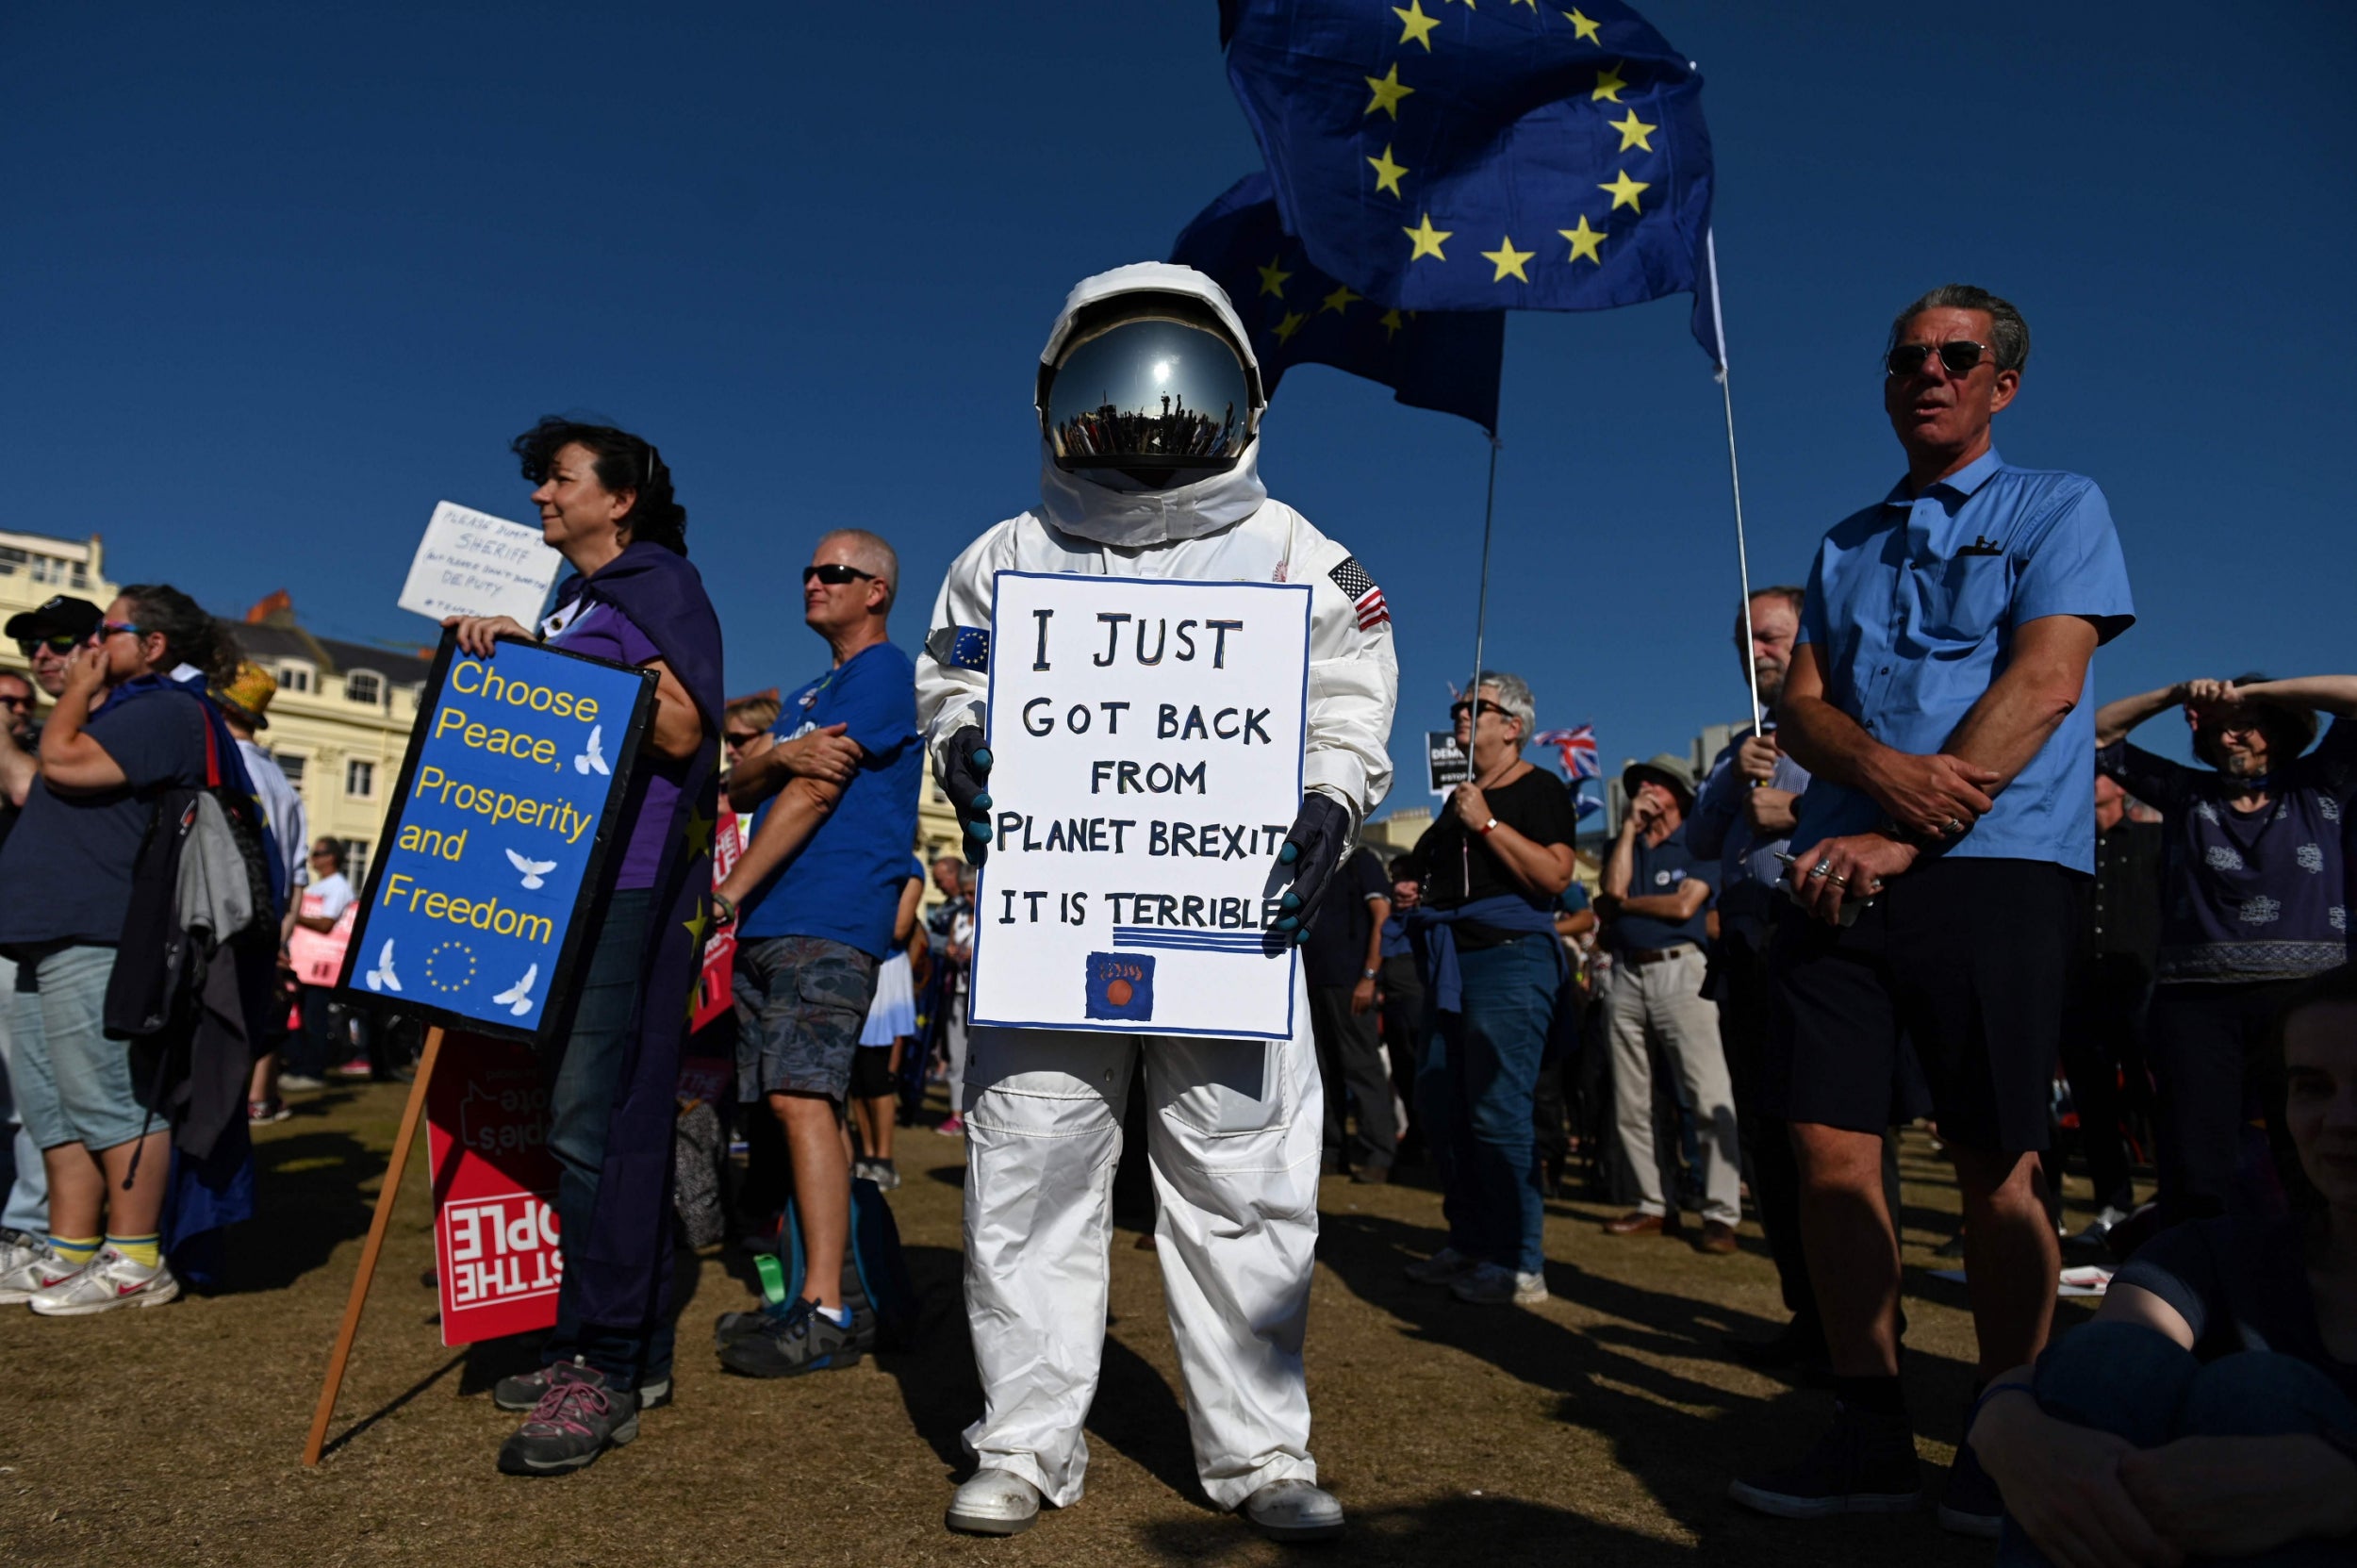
(281, 277)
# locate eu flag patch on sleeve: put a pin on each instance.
(960, 647)
(1121, 985)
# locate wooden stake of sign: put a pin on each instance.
(410, 1117)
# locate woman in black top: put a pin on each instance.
(2210, 1410)
(1492, 868)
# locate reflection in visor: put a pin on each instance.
(1153, 391)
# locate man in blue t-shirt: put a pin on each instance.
(815, 898)
(1656, 899)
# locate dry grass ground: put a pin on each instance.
(1600, 1428)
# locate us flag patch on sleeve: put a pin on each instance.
(1365, 596)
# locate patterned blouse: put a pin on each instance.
(2250, 895)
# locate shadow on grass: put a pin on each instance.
(308, 1200)
(404, 1396)
(1679, 1436)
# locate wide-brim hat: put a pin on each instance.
(249, 694)
(63, 615)
(1666, 767)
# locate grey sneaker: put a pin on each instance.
(1491, 1285)
(576, 1420)
(525, 1391)
(1441, 1268)
(112, 1280)
(803, 1340)
(27, 1267)
(1863, 1464)
(1293, 1511)
(995, 1502)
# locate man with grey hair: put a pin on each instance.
(1937, 698)
(816, 898)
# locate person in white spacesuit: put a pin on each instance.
(1150, 403)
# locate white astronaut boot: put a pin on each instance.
(1293, 1511)
(999, 1502)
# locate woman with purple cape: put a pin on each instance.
(607, 503)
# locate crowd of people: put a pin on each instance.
(1929, 881)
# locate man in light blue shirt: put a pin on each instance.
(1939, 700)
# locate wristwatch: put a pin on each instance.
(1369, 974)
(1488, 828)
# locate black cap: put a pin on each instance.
(61, 617)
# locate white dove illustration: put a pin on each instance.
(382, 977)
(534, 871)
(516, 999)
(593, 760)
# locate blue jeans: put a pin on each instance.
(73, 1084)
(1475, 1088)
(2136, 1383)
(581, 1109)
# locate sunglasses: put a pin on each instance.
(15, 702)
(1961, 356)
(111, 628)
(1459, 710)
(58, 642)
(742, 740)
(835, 574)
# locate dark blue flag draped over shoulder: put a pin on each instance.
(1446, 360)
(1519, 155)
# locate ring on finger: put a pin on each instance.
(1822, 869)
(1838, 881)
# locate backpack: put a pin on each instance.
(875, 1275)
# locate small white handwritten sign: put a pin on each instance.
(471, 563)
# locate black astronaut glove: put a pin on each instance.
(1314, 847)
(964, 775)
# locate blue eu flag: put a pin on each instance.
(1518, 156)
(1296, 313)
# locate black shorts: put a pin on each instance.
(871, 1073)
(1969, 961)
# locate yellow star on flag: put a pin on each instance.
(1391, 324)
(1633, 132)
(1469, 4)
(1387, 173)
(1509, 260)
(1584, 241)
(699, 833)
(1608, 82)
(1625, 191)
(1387, 91)
(695, 926)
(1427, 239)
(1273, 281)
(1415, 26)
(1339, 300)
(1532, 3)
(1583, 28)
(1290, 324)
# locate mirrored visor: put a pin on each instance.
(1148, 392)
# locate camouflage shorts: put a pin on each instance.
(802, 1001)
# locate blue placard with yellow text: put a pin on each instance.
(498, 841)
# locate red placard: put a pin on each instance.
(719, 971)
(496, 1259)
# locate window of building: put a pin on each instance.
(355, 858)
(48, 569)
(364, 686)
(290, 764)
(360, 779)
(294, 677)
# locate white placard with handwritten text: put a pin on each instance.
(471, 563)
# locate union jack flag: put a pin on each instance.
(1365, 597)
(1578, 749)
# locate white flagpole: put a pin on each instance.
(1734, 475)
(1481, 609)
